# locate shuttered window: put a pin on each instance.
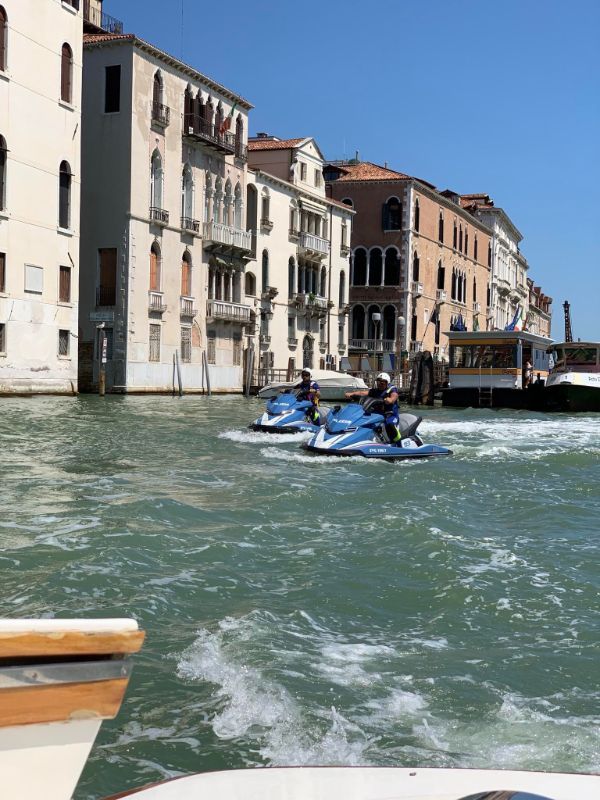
(154, 270)
(66, 74)
(64, 200)
(237, 350)
(154, 354)
(186, 278)
(186, 344)
(64, 285)
(211, 347)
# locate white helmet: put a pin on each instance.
(306, 370)
(383, 376)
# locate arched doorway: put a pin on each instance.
(308, 351)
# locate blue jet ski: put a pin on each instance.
(358, 429)
(286, 414)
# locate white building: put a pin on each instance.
(301, 275)
(164, 234)
(40, 130)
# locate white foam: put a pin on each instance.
(259, 437)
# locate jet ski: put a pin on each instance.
(358, 429)
(286, 414)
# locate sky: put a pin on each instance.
(496, 97)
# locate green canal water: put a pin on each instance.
(304, 610)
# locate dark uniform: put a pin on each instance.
(307, 391)
(391, 412)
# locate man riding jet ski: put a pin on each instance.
(293, 412)
(373, 427)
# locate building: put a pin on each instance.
(420, 262)
(40, 142)
(510, 289)
(164, 236)
(300, 278)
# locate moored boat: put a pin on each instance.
(574, 380)
(333, 385)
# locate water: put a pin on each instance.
(304, 610)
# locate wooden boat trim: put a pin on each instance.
(64, 643)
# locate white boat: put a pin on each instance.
(574, 380)
(60, 678)
(333, 385)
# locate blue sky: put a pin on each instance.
(501, 97)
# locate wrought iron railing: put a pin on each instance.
(156, 301)
(187, 307)
(197, 127)
(159, 215)
(93, 14)
(161, 114)
(189, 224)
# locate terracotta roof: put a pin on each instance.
(275, 144)
(91, 38)
(476, 201)
(366, 171)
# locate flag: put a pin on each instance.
(459, 324)
(434, 316)
(517, 321)
(226, 124)
(476, 323)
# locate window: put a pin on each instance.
(237, 349)
(73, 3)
(156, 181)
(64, 343)
(460, 238)
(347, 201)
(344, 234)
(475, 249)
(466, 241)
(359, 271)
(3, 152)
(187, 196)
(186, 275)
(64, 285)
(2, 272)
(392, 215)
(250, 285)
(416, 265)
(391, 275)
(186, 344)
(211, 347)
(3, 38)
(64, 196)
(302, 171)
(34, 279)
(107, 283)
(490, 254)
(454, 236)
(154, 352)
(441, 228)
(2, 337)
(112, 89)
(441, 276)
(323, 285)
(66, 74)
(474, 290)
(417, 215)
(155, 264)
(318, 176)
(342, 298)
(264, 207)
(291, 277)
(375, 267)
(239, 136)
(265, 270)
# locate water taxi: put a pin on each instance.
(574, 380)
(496, 369)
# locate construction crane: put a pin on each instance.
(568, 331)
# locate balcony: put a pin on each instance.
(199, 130)
(503, 287)
(313, 245)
(159, 215)
(161, 115)
(93, 14)
(316, 301)
(189, 224)
(156, 302)
(416, 288)
(231, 312)
(186, 308)
(440, 296)
(373, 345)
(106, 296)
(215, 233)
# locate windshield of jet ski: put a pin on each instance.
(354, 415)
(286, 402)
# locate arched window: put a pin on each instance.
(348, 202)
(342, 296)
(359, 272)
(186, 274)
(291, 277)
(3, 38)
(187, 196)
(417, 215)
(218, 119)
(453, 294)
(3, 152)
(188, 110)
(250, 285)
(238, 207)
(66, 74)
(64, 195)
(466, 241)
(391, 272)
(265, 206)
(228, 204)
(441, 228)
(474, 290)
(209, 113)
(454, 235)
(389, 323)
(416, 265)
(489, 254)
(294, 218)
(460, 238)
(358, 322)
(251, 208)
(218, 201)
(239, 136)
(156, 181)
(475, 249)
(155, 267)
(374, 328)
(265, 270)
(392, 215)
(441, 276)
(375, 267)
(323, 286)
(157, 90)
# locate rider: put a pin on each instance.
(384, 390)
(309, 390)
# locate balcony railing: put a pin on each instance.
(161, 115)
(220, 309)
(316, 301)
(92, 13)
(308, 241)
(156, 301)
(159, 215)
(373, 345)
(106, 296)
(217, 233)
(189, 224)
(199, 129)
(187, 307)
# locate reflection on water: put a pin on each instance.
(305, 610)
